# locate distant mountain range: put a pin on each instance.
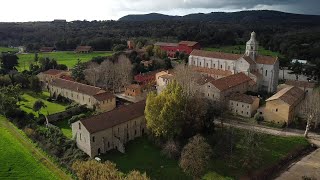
(265, 16)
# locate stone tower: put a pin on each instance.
(252, 46)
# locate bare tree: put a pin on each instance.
(92, 73)
(310, 109)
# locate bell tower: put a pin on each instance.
(252, 46)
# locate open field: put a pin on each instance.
(20, 160)
(240, 49)
(29, 98)
(65, 127)
(68, 58)
(142, 155)
(6, 49)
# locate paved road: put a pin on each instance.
(34, 150)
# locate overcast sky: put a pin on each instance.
(45, 10)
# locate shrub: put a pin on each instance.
(171, 149)
(76, 118)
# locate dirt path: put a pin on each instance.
(42, 158)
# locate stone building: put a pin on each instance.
(84, 49)
(283, 106)
(92, 97)
(111, 130)
(221, 89)
(264, 69)
(49, 75)
(163, 78)
(133, 90)
(307, 87)
(243, 105)
(182, 47)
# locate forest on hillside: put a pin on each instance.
(293, 39)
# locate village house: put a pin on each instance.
(163, 78)
(133, 90)
(111, 130)
(146, 79)
(263, 69)
(221, 89)
(47, 49)
(307, 87)
(130, 44)
(92, 97)
(243, 105)
(283, 106)
(182, 47)
(84, 49)
(47, 76)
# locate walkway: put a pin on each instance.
(34, 150)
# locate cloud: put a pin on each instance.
(35, 10)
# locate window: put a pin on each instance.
(118, 130)
(135, 132)
(228, 67)
(80, 136)
(214, 65)
(83, 98)
(89, 99)
(108, 144)
(79, 126)
(277, 110)
(242, 105)
(93, 139)
(266, 72)
(209, 86)
(247, 113)
(236, 111)
(251, 47)
(241, 112)
(208, 94)
(207, 65)
(221, 66)
(200, 63)
(237, 104)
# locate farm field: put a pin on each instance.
(17, 161)
(29, 98)
(6, 49)
(240, 49)
(68, 58)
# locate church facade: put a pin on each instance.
(264, 70)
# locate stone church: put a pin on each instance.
(264, 70)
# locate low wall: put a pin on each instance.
(65, 114)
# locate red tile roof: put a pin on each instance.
(104, 96)
(165, 44)
(249, 60)
(290, 95)
(112, 118)
(134, 86)
(188, 43)
(212, 71)
(268, 60)
(218, 55)
(146, 77)
(243, 98)
(53, 72)
(231, 81)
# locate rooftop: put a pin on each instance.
(302, 84)
(218, 55)
(134, 86)
(165, 44)
(188, 43)
(268, 60)
(289, 95)
(212, 71)
(112, 118)
(53, 72)
(83, 48)
(231, 81)
(243, 98)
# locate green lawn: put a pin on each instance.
(6, 49)
(65, 128)
(29, 98)
(273, 148)
(240, 49)
(16, 162)
(68, 58)
(142, 155)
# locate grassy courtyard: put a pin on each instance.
(68, 58)
(142, 155)
(16, 159)
(65, 127)
(29, 98)
(240, 49)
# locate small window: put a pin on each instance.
(237, 104)
(207, 65)
(277, 110)
(242, 105)
(118, 130)
(266, 72)
(93, 139)
(80, 136)
(79, 126)
(208, 95)
(135, 132)
(247, 113)
(221, 66)
(241, 112)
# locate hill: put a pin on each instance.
(261, 16)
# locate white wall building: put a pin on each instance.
(263, 69)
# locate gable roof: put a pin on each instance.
(268, 60)
(53, 72)
(188, 43)
(249, 60)
(83, 48)
(166, 44)
(212, 71)
(78, 87)
(134, 86)
(243, 98)
(289, 95)
(112, 118)
(218, 55)
(103, 96)
(302, 84)
(230, 81)
(204, 79)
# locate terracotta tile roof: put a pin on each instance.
(212, 71)
(302, 84)
(289, 95)
(46, 49)
(112, 118)
(204, 79)
(218, 55)
(167, 76)
(165, 44)
(231, 81)
(67, 77)
(83, 48)
(146, 77)
(103, 96)
(243, 98)
(249, 60)
(76, 87)
(266, 60)
(134, 86)
(188, 43)
(53, 72)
